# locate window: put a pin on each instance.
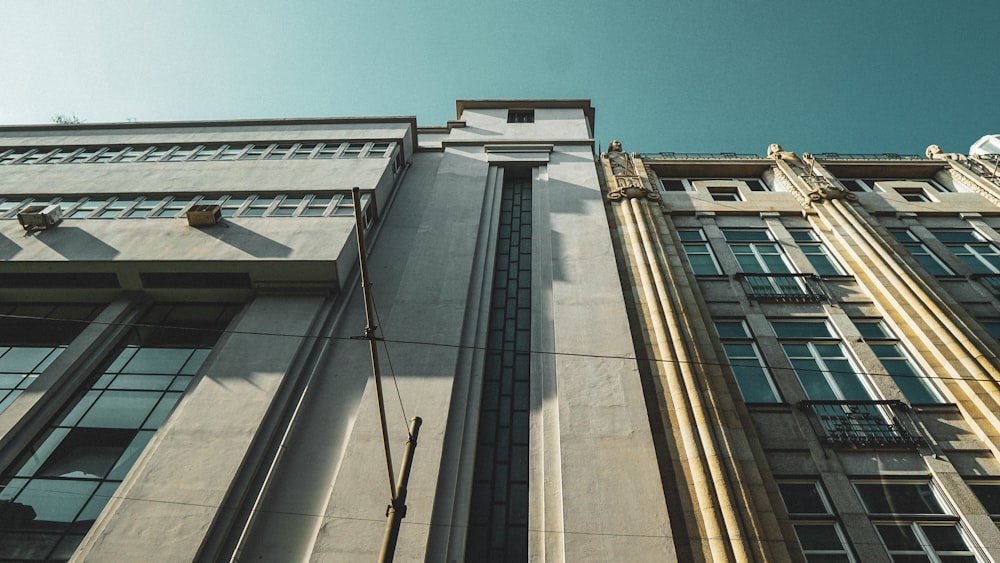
(279, 152)
(205, 153)
(31, 337)
(912, 523)
(231, 152)
(725, 193)
(352, 150)
(757, 253)
(60, 485)
(132, 154)
(85, 208)
(114, 209)
(154, 154)
(744, 359)
(317, 206)
(329, 150)
(699, 253)
(59, 156)
(815, 252)
(820, 361)
(972, 248)
(869, 184)
(303, 151)
(181, 153)
(988, 493)
(142, 209)
(107, 155)
(38, 155)
(913, 194)
(287, 206)
(254, 152)
(815, 523)
(521, 116)
(378, 150)
(674, 185)
(175, 207)
(897, 364)
(258, 206)
(925, 257)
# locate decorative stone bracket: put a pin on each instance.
(808, 185)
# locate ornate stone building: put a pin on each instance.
(820, 343)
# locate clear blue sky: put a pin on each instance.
(685, 76)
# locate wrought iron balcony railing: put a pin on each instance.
(782, 288)
(868, 424)
(869, 156)
(699, 155)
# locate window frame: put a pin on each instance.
(686, 244)
(754, 361)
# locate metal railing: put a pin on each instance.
(869, 156)
(700, 155)
(782, 288)
(870, 424)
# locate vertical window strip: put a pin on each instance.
(498, 528)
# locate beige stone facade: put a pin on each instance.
(821, 342)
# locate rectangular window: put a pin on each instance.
(317, 206)
(820, 361)
(303, 151)
(114, 209)
(914, 386)
(378, 150)
(258, 207)
(815, 523)
(725, 193)
(85, 208)
(205, 153)
(913, 194)
(232, 152)
(352, 150)
(912, 523)
(133, 154)
(174, 208)
(155, 154)
(752, 376)
(815, 252)
(675, 185)
(279, 152)
(287, 206)
(921, 253)
(972, 248)
(181, 153)
(107, 155)
(31, 337)
(61, 483)
(698, 252)
(255, 152)
(988, 493)
(521, 116)
(329, 150)
(143, 208)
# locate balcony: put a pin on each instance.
(782, 288)
(864, 424)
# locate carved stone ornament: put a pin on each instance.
(627, 182)
(819, 188)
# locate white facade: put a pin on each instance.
(274, 452)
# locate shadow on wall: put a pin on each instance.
(253, 243)
(8, 248)
(74, 243)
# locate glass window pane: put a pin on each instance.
(899, 498)
(120, 409)
(801, 329)
(803, 498)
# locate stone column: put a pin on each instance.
(711, 454)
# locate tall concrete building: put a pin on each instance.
(780, 358)
(819, 335)
(186, 370)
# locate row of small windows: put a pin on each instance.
(756, 251)
(196, 153)
(152, 206)
(733, 189)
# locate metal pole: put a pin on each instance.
(359, 225)
(396, 511)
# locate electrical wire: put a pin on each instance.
(536, 352)
(392, 372)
